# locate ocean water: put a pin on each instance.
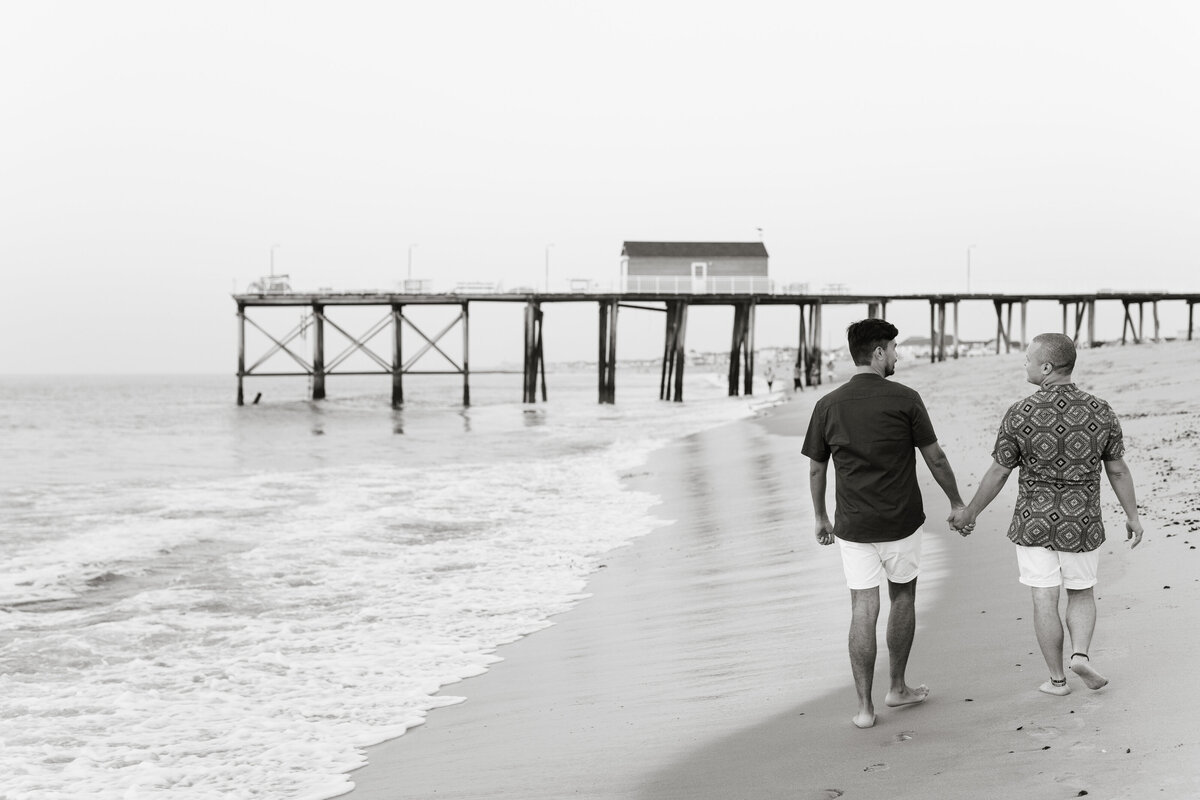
(204, 601)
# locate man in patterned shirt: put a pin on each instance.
(1059, 436)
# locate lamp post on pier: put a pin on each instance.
(410, 249)
(546, 287)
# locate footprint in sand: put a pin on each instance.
(1043, 733)
(904, 736)
(876, 768)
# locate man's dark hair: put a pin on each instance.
(867, 334)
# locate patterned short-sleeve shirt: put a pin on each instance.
(1059, 436)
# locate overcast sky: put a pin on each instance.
(156, 154)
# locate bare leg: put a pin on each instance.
(1081, 623)
(1048, 627)
(901, 627)
(864, 607)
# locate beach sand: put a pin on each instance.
(710, 659)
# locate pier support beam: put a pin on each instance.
(670, 386)
(318, 371)
(241, 348)
(957, 341)
(535, 361)
(1004, 332)
(466, 364)
(937, 330)
(1127, 326)
(397, 356)
(812, 357)
(741, 350)
(1079, 310)
(748, 368)
(1191, 318)
(608, 351)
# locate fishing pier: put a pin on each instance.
(1078, 321)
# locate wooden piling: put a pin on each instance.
(602, 355)
(748, 344)
(735, 348)
(607, 361)
(397, 355)
(535, 357)
(932, 331)
(680, 348)
(668, 357)
(674, 352)
(318, 374)
(241, 349)
(1024, 327)
(814, 342)
(614, 308)
(466, 346)
(541, 351)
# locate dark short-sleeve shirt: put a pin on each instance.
(1059, 436)
(870, 427)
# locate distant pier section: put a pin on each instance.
(666, 277)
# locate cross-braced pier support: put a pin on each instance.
(1078, 310)
(1138, 333)
(1004, 323)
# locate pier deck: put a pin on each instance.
(1077, 309)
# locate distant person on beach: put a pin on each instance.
(797, 378)
(1059, 436)
(871, 427)
(770, 376)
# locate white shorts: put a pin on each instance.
(1045, 568)
(866, 563)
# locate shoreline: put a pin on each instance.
(707, 663)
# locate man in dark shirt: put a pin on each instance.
(871, 428)
(1059, 436)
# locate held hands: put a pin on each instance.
(1133, 532)
(962, 519)
(824, 532)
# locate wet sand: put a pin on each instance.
(710, 660)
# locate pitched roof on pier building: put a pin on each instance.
(694, 267)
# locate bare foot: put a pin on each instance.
(1082, 667)
(907, 697)
(1049, 687)
(863, 720)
